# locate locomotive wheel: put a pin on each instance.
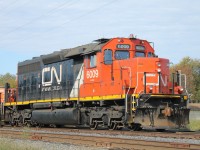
(160, 130)
(119, 128)
(20, 122)
(28, 124)
(59, 126)
(12, 123)
(135, 127)
(113, 125)
(94, 126)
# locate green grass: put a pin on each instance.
(194, 125)
(9, 144)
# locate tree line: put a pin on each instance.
(188, 66)
(8, 78)
(191, 68)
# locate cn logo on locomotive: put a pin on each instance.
(53, 72)
(152, 76)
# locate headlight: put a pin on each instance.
(158, 64)
(159, 70)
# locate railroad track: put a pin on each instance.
(104, 138)
(148, 133)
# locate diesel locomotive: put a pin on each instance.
(110, 83)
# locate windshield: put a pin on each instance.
(122, 54)
(139, 54)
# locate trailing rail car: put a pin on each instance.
(114, 83)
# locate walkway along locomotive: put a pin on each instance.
(112, 83)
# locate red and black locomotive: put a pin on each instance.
(113, 83)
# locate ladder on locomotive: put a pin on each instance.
(1, 113)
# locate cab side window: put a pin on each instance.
(91, 60)
(150, 54)
(108, 56)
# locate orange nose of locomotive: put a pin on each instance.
(152, 75)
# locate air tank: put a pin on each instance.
(67, 116)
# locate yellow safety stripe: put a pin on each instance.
(160, 95)
(108, 97)
(92, 98)
(33, 101)
(167, 96)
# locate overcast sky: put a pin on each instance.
(30, 28)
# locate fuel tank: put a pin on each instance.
(67, 116)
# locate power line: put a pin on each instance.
(5, 14)
(78, 17)
(7, 6)
(35, 19)
(74, 19)
(90, 12)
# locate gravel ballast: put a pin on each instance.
(40, 145)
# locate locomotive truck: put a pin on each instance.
(111, 83)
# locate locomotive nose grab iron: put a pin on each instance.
(114, 83)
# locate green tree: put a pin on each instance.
(8, 78)
(191, 68)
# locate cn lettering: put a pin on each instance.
(53, 72)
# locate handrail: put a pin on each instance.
(185, 79)
(130, 80)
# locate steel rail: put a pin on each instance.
(94, 140)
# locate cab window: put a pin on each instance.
(122, 54)
(91, 61)
(108, 56)
(139, 54)
(150, 54)
(140, 51)
(140, 48)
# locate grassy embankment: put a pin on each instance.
(14, 144)
(9, 144)
(194, 117)
(194, 125)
